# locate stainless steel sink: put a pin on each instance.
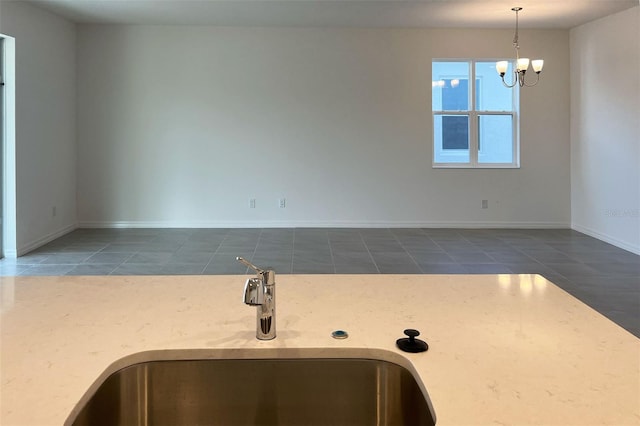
(226, 392)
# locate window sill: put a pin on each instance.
(473, 166)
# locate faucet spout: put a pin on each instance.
(260, 292)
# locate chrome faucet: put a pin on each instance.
(261, 292)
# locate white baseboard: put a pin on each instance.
(320, 224)
(607, 238)
(42, 241)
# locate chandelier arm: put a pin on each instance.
(515, 81)
(532, 84)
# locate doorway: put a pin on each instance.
(8, 218)
(2, 144)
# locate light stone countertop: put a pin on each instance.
(504, 349)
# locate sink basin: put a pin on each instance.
(301, 391)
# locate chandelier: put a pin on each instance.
(522, 64)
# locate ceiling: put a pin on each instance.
(560, 14)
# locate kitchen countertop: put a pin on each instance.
(504, 349)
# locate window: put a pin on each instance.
(475, 120)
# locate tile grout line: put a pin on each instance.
(369, 251)
(333, 261)
(214, 254)
(409, 254)
(255, 249)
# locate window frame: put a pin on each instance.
(474, 115)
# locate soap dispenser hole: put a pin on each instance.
(339, 334)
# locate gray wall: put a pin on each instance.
(181, 126)
(45, 124)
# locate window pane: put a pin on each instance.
(450, 86)
(491, 94)
(455, 132)
(451, 137)
(495, 139)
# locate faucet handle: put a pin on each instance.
(248, 264)
(254, 292)
(268, 275)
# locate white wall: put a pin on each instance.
(45, 64)
(180, 126)
(605, 129)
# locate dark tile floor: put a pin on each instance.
(603, 276)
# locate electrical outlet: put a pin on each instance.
(485, 204)
(54, 211)
(282, 202)
(252, 203)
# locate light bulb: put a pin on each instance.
(537, 65)
(501, 67)
(523, 64)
